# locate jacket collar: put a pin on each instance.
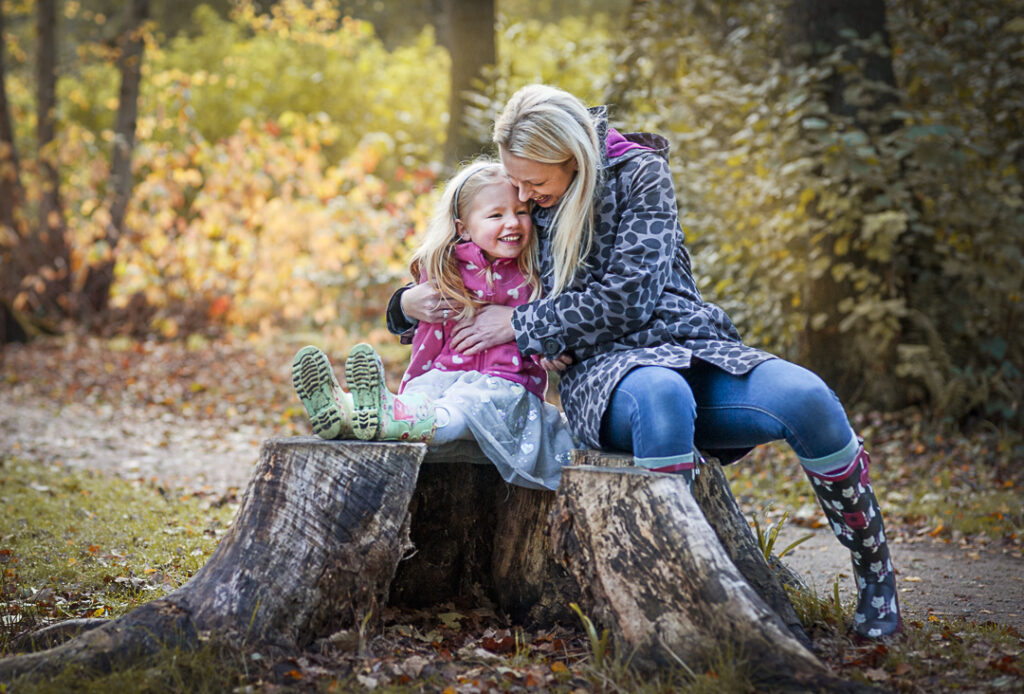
(658, 144)
(469, 252)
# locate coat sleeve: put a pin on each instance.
(622, 287)
(398, 323)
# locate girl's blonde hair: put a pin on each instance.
(434, 260)
(551, 126)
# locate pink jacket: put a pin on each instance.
(430, 348)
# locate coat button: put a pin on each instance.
(551, 346)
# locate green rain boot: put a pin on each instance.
(329, 407)
(379, 414)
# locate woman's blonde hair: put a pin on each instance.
(434, 261)
(551, 126)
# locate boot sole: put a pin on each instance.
(364, 373)
(314, 379)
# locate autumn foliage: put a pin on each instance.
(286, 157)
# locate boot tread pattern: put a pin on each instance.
(313, 379)
(364, 374)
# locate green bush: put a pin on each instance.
(920, 219)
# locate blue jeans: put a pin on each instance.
(658, 412)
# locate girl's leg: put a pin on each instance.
(780, 400)
(379, 414)
(651, 415)
(451, 424)
(328, 406)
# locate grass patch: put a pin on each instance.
(78, 544)
(212, 668)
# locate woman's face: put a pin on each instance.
(545, 184)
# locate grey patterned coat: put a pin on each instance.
(636, 304)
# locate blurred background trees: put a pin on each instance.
(849, 174)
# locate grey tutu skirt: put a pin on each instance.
(525, 437)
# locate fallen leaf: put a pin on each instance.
(876, 674)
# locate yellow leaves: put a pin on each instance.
(806, 197)
(187, 177)
(258, 216)
(168, 327)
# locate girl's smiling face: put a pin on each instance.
(498, 222)
(545, 184)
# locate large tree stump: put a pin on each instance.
(313, 548)
(329, 531)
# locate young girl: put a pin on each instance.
(479, 249)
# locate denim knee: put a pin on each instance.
(816, 421)
(651, 414)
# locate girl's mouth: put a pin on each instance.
(511, 238)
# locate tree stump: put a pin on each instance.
(655, 572)
(475, 535)
(313, 549)
(329, 531)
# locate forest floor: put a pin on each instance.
(192, 417)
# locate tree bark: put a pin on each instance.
(652, 569)
(477, 536)
(313, 549)
(859, 93)
(12, 194)
(52, 258)
(99, 279)
(469, 36)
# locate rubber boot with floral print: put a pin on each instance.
(380, 415)
(852, 510)
(328, 406)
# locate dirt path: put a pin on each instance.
(978, 585)
(205, 437)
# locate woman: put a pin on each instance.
(647, 365)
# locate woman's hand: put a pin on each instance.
(424, 303)
(491, 326)
(559, 363)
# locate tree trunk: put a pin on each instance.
(858, 91)
(11, 192)
(52, 261)
(330, 531)
(12, 225)
(468, 33)
(96, 289)
(313, 549)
